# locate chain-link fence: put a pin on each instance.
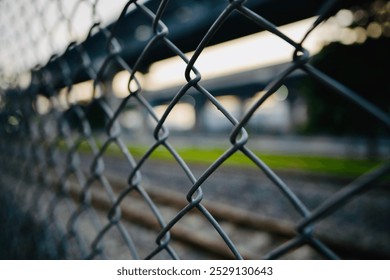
(76, 185)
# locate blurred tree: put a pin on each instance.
(360, 62)
(363, 68)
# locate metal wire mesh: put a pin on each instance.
(46, 132)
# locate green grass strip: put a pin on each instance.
(206, 155)
(314, 164)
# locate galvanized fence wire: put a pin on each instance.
(43, 150)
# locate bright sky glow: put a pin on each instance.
(250, 52)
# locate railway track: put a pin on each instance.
(253, 233)
(249, 200)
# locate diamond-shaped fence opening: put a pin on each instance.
(107, 152)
